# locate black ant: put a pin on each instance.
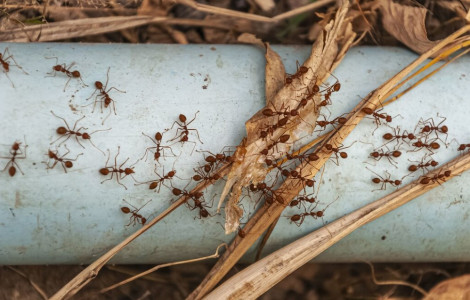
(66, 70)
(115, 170)
(6, 65)
(15, 151)
(66, 131)
(159, 149)
(135, 217)
(105, 99)
(65, 162)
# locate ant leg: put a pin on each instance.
(104, 120)
(68, 136)
(117, 179)
(12, 84)
(109, 155)
(67, 83)
(15, 163)
(193, 118)
(91, 142)
(197, 133)
(110, 178)
(16, 64)
(113, 88)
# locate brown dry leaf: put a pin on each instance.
(265, 5)
(406, 24)
(274, 70)
(248, 166)
(451, 289)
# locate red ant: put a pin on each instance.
(282, 139)
(66, 70)
(298, 219)
(397, 136)
(377, 155)
(66, 131)
(384, 181)
(154, 184)
(196, 196)
(299, 200)
(214, 159)
(159, 149)
(6, 65)
(335, 122)
(338, 151)
(268, 193)
(329, 90)
(303, 157)
(14, 152)
(205, 176)
(135, 217)
(378, 117)
(436, 178)
(301, 70)
(420, 145)
(183, 127)
(119, 171)
(105, 99)
(422, 165)
(463, 147)
(65, 162)
(429, 126)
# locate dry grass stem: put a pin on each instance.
(395, 282)
(291, 187)
(90, 272)
(33, 284)
(215, 255)
(256, 279)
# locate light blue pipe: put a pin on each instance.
(49, 217)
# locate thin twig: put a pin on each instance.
(33, 284)
(215, 255)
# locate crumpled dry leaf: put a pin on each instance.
(406, 24)
(265, 5)
(249, 166)
(452, 289)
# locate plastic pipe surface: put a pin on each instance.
(53, 217)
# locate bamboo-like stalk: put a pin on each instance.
(259, 277)
(291, 187)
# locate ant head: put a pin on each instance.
(263, 134)
(75, 74)
(207, 168)
(310, 182)
(447, 173)
(319, 214)
(375, 154)
(264, 151)
(16, 146)
(268, 161)
(61, 130)
(68, 164)
(294, 173)
(461, 147)
(51, 154)
(397, 182)
(285, 172)
(444, 129)
(143, 220)
(182, 118)
(388, 118)
(411, 136)
(434, 163)
(198, 195)
(241, 233)
(129, 171)
(288, 80)
(158, 136)
(98, 85)
(125, 210)
(104, 171)
(426, 129)
(253, 188)
(262, 186)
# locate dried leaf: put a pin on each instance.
(406, 24)
(451, 289)
(265, 5)
(249, 164)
